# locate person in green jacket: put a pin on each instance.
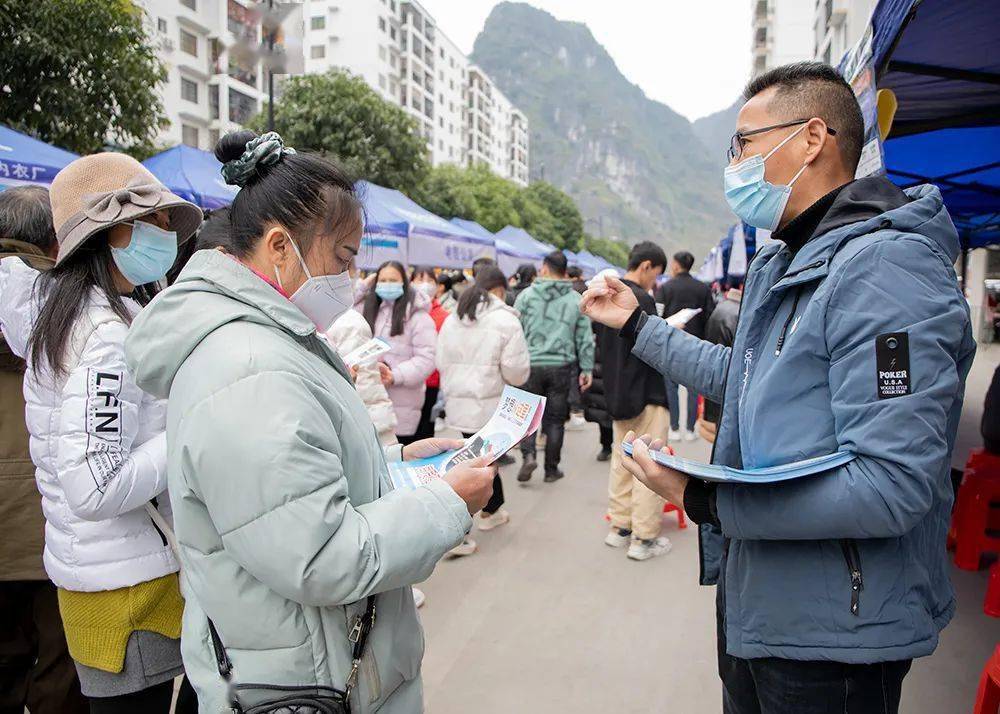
(559, 339)
(286, 520)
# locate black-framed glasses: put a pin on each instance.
(736, 144)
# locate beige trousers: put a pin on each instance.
(631, 505)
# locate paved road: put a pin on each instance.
(546, 618)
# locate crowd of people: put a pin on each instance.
(214, 477)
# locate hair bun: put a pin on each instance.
(243, 154)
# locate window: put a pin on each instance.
(190, 4)
(381, 24)
(189, 135)
(213, 101)
(441, 145)
(381, 52)
(442, 52)
(441, 121)
(161, 25)
(318, 22)
(317, 51)
(213, 138)
(392, 32)
(392, 61)
(241, 107)
(189, 90)
(441, 74)
(381, 81)
(189, 43)
(392, 5)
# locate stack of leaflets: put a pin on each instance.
(766, 474)
(366, 353)
(518, 415)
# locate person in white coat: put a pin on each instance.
(97, 440)
(480, 349)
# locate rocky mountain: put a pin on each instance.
(635, 167)
(716, 130)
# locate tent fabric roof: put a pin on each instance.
(389, 209)
(27, 160)
(194, 175)
(518, 242)
(942, 60)
(472, 227)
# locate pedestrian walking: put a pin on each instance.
(558, 337)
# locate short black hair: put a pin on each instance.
(26, 216)
(684, 259)
(647, 250)
(480, 263)
(214, 231)
(556, 262)
(574, 271)
(815, 89)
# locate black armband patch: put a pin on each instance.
(892, 360)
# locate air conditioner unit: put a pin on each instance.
(167, 44)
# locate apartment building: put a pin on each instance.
(838, 25)
(399, 49)
(213, 84)
(783, 32)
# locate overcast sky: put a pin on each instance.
(693, 55)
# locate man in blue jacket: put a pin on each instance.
(853, 336)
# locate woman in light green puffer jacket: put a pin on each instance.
(285, 517)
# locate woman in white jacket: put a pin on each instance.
(481, 348)
(98, 441)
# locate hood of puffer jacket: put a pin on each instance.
(18, 308)
(212, 290)
(494, 304)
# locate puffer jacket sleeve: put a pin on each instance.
(306, 540)
(584, 343)
(100, 470)
(515, 363)
(902, 450)
(423, 340)
(683, 358)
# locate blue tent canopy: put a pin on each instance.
(516, 246)
(194, 175)
(942, 60)
(399, 227)
(473, 227)
(24, 160)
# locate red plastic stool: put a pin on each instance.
(988, 696)
(681, 521)
(980, 486)
(992, 604)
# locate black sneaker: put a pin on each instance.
(551, 476)
(605, 455)
(527, 468)
(505, 460)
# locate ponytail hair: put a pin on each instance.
(488, 278)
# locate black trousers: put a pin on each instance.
(36, 670)
(153, 700)
(770, 685)
(607, 437)
(425, 428)
(553, 383)
(496, 500)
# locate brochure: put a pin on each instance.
(518, 415)
(682, 316)
(767, 474)
(366, 353)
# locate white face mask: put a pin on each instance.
(322, 298)
(428, 289)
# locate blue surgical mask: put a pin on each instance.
(752, 198)
(148, 256)
(389, 291)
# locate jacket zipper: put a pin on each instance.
(163, 536)
(853, 559)
(788, 321)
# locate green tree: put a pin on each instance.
(79, 73)
(448, 192)
(566, 219)
(613, 251)
(338, 115)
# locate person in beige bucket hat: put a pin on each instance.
(98, 441)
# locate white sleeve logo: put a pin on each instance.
(104, 425)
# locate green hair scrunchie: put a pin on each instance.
(266, 150)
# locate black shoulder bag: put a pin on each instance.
(308, 699)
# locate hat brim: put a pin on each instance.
(185, 218)
(31, 255)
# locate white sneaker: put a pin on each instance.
(419, 598)
(690, 436)
(466, 547)
(646, 549)
(618, 538)
(674, 435)
(488, 523)
(576, 422)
